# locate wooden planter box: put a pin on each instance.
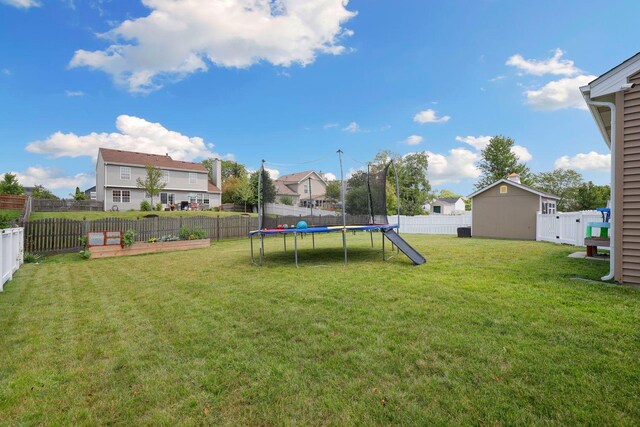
(145, 248)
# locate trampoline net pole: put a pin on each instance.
(344, 208)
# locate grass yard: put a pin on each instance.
(127, 214)
(8, 215)
(488, 332)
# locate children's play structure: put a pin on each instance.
(364, 196)
(602, 240)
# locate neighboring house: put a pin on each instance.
(448, 205)
(187, 183)
(304, 188)
(618, 91)
(90, 193)
(507, 209)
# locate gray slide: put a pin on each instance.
(406, 249)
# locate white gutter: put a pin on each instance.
(612, 107)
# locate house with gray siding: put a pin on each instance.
(304, 188)
(188, 184)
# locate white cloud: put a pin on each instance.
(352, 127)
(24, 4)
(589, 161)
(179, 38)
(497, 79)
(480, 143)
(554, 65)
(477, 142)
(521, 153)
(330, 176)
(559, 94)
(52, 178)
(330, 125)
(413, 140)
(430, 116)
(273, 173)
(135, 134)
(73, 93)
(453, 167)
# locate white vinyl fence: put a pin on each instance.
(565, 227)
(11, 252)
(432, 224)
(286, 210)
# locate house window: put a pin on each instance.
(205, 199)
(121, 196)
(503, 189)
(306, 188)
(117, 196)
(548, 207)
(165, 177)
(163, 198)
(125, 173)
(193, 178)
(126, 196)
(193, 198)
(437, 209)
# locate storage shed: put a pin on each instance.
(507, 209)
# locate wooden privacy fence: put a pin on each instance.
(12, 203)
(65, 205)
(57, 235)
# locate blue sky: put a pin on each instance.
(291, 81)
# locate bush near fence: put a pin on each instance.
(59, 235)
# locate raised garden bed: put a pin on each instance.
(145, 248)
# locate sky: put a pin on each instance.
(293, 81)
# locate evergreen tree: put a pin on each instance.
(268, 188)
(10, 185)
(498, 161)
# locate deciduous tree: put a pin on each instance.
(498, 161)
(561, 182)
(153, 183)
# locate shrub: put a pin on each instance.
(5, 220)
(129, 237)
(286, 200)
(85, 254)
(83, 241)
(152, 240)
(145, 206)
(32, 258)
(159, 207)
(187, 233)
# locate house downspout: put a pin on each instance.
(612, 107)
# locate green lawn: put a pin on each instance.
(126, 214)
(488, 332)
(9, 214)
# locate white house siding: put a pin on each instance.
(178, 179)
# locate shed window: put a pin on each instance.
(548, 207)
(503, 189)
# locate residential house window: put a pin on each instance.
(205, 199)
(193, 178)
(121, 196)
(163, 198)
(126, 196)
(193, 198)
(117, 196)
(437, 209)
(125, 173)
(306, 188)
(165, 177)
(548, 207)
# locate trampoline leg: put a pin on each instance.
(261, 248)
(251, 242)
(285, 243)
(313, 239)
(295, 245)
(371, 235)
(382, 234)
(344, 245)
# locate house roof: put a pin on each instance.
(518, 185)
(283, 190)
(212, 188)
(604, 88)
(449, 200)
(143, 159)
(297, 177)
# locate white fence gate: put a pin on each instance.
(432, 224)
(11, 252)
(287, 210)
(565, 227)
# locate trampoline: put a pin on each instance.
(366, 196)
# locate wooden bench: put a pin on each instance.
(592, 244)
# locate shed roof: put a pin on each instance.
(449, 200)
(143, 159)
(518, 185)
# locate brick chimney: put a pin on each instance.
(514, 177)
